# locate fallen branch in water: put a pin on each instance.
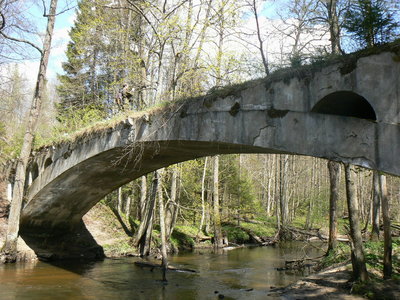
(150, 265)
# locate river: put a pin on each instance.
(243, 273)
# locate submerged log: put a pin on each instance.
(144, 264)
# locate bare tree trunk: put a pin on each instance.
(277, 195)
(283, 195)
(128, 206)
(357, 251)
(203, 207)
(9, 249)
(218, 240)
(375, 206)
(269, 185)
(143, 197)
(334, 28)
(172, 209)
(119, 205)
(387, 255)
(143, 235)
(334, 177)
(164, 262)
(260, 41)
(309, 222)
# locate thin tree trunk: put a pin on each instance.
(387, 255)
(218, 241)
(164, 261)
(119, 205)
(334, 177)
(143, 197)
(9, 249)
(357, 251)
(128, 206)
(269, 185)
(311, 196)
(284, 163)
(172, 208)
(334, 28)
(260, 41)
(375, 207)
(277, 195)
(203, 207)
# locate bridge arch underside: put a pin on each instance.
(59, 204)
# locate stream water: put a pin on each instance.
(244, 273)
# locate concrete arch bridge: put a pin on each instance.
(347, 110)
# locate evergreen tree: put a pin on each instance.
(99, 56)
(370, 22)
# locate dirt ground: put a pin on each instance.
(334, 283)
(329, 284)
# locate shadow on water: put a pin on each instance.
(245, 273)
(75, 244)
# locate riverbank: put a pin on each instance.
(335, 283)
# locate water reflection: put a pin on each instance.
(246, 273)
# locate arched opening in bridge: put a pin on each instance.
(345, 103)
(48, 162)
(34, 172)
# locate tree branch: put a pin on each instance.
(22, 41)
(3, 21)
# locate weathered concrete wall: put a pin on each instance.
(260, 117)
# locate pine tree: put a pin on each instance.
(370, 22)
(99, 56)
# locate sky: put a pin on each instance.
(64, 22)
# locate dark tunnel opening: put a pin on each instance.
(345, 103)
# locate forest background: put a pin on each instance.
(168, 50)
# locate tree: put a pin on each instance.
(334, 179)
(370, 22)
(142, 239)
(254, 7)
(161, 209)
(9, 249)
(99, 56)
(387, 255)
(357, 251)
(376, 200)
(334, 28)
(299, 31)
(218, 240)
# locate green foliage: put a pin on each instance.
(235, 234)
(296, 60)
(262, 230)
(370, 22)
(183, 237)
(340, 254)
(236, 181)
(98, 56)
(73, 119)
